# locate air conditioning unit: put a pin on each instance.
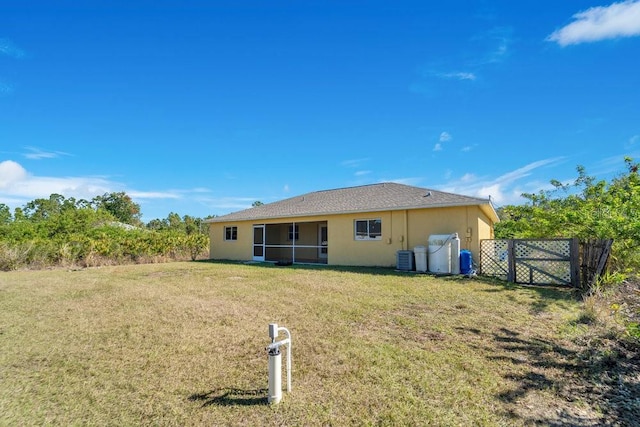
(404, 260)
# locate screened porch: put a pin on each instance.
(292, 242)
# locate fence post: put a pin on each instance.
(511, 261)
(574, 255)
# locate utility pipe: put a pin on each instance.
(275, 364)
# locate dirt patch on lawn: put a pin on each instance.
(592, 380)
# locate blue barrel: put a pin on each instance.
(466, 262)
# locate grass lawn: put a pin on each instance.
(184, 344)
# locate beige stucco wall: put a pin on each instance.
(401, 230)
(344, 249)
(485, 231)
(241, 249)
(469, 222)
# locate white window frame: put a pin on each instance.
(369, 235)
(231, 229)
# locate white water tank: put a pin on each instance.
(440, 253)
(421, 258)
(455, 254)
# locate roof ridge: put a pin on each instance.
(400, 184)
(354, 186)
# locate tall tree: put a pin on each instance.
(120, 206)
(156, 224)
(174, 221)
(192, 225)
(41, 209)
(19, 215)
(5, 214)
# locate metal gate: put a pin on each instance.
(531, 261)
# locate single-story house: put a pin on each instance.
(360, 226)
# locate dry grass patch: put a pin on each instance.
(183, 344)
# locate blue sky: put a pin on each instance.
(202, 107)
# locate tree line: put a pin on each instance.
(61, 231)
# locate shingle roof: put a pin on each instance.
(367, 198)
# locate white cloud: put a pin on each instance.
(612, 165)
(153, 194)
(635, 139)
(489, 49)
(493, 192)
(35, 153)
(355, 163)
(526, 170)
(503, 189)
(197, 190)
(468, 177)
(445, 136)
(10, 173)
(362, 173)
(224, 205)
(458, 76)
(33, 187)
(600, 23)
(18, 186)
(286, 188)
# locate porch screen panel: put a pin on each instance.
(279, 254)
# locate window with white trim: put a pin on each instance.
(231, 233)
(368, 229)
